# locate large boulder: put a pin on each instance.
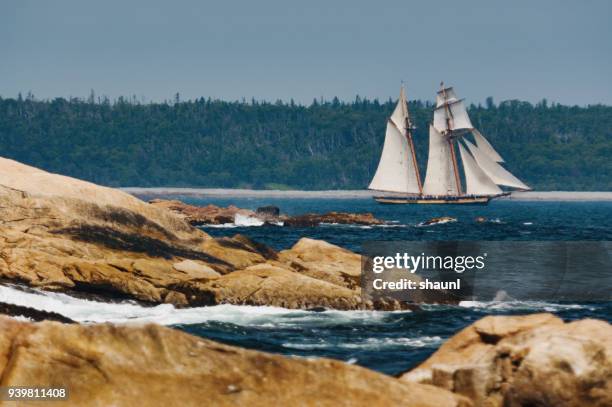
(104, 365)
(268, 284)
(533, 360)
(59, 233)
(324, 261)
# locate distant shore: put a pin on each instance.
(350, 194)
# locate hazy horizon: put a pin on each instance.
(270, 50)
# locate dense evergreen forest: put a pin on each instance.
(327, 145)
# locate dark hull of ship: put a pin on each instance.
(438, 200)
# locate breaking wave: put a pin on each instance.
(370, 343)
(89, 311)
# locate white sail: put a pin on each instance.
(486, 147)
(400, 113)
(477, 182)
(440, 177)
(447, 94)
(496, 172)
(396, 169)
(459, 118)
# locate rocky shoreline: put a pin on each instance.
(509, 361)
(62, 234)
(215, 215)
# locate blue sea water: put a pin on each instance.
(393, 342)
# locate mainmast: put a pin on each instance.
(451, 138)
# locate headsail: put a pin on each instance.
(396, 170)
(440, 177)
(478, 183)
(496, 172)
(486, 147)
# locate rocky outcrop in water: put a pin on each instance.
(59, 233)
(215, 215)
(108, 365)
(533, 360)
(202, 215)
(343, 218)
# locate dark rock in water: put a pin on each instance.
(436, 221)
(270, 215)
(268, 211)
(202, 215)
(33, 314)
(344, 218)
(317, 309)
(302, 221)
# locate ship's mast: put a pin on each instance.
(409, 128)
(451, 139)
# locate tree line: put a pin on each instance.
(255, 144)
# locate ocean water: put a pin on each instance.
(390, 342)
(506, 220)
(393, 342)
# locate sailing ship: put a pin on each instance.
(398, 172)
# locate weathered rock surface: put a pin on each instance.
(533, 360)
(202, 215)
(214, 215)
(59, 233)
(104, 365)
(313, 219)
(324, 261)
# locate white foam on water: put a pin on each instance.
(520, 305)
(221, 226)
(88, 311)
(243, 220)
(439, 222)
(355, 225)
(371, 343)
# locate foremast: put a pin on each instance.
(451, 138)
(409, 128)
(398, 169)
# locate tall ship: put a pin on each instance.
(398, 178)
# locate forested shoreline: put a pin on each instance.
(254, 144)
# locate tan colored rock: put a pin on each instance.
(59, 233)
(196, 270)
(104, 365)
(324, 261)
(525, 360)
(202, 215)
(266, 284)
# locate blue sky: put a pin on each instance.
(560, 50)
